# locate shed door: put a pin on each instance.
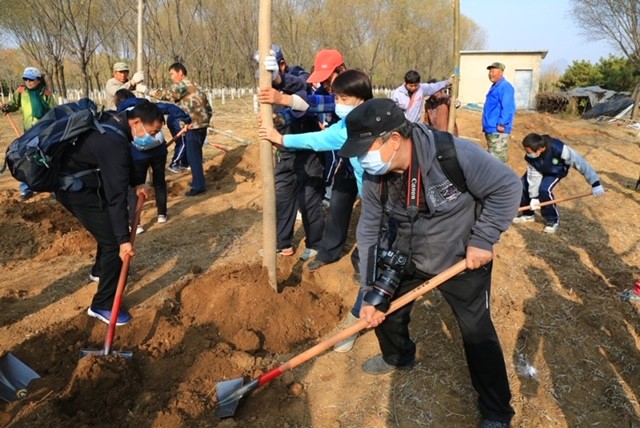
(523, 88)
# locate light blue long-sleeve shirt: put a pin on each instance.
(332, 138)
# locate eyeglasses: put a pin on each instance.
(28, 80)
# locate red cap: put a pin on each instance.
(327, 60)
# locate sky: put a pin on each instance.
(541, 25)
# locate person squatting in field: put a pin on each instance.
(548, 161)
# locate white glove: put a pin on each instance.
(535, 204)
(138, 77)
(142, 88)
(271, 64)
(597, 191)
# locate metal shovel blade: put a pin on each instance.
(227, 403)
(15, 376)
(127, 355)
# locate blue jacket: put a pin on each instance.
(174, 114)
(550, 163)
(499, 108)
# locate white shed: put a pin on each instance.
(522, 70)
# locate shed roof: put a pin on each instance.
(543, 54)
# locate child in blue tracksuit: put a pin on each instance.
(154, 158)
(548, 162)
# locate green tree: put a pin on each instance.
(580, 73)
(616, 21)
(618, 74)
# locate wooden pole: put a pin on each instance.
(140, 52)
(456, 69)
(266, 152)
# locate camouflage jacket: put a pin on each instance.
(191, 99)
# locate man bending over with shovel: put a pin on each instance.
(440, 221)
(97, 196)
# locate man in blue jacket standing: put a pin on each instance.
(499, 110)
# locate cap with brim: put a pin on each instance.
(327, 60)
(31, 73)
(369, 121)
(496, 65)
(120, 66)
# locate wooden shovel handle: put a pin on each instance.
(555, 201)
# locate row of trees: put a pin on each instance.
(76, 41)
(614, 73)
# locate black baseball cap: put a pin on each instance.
(369, 121)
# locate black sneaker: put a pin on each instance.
(486, 423)
(377, 366)
(315, 264)
(193, 192)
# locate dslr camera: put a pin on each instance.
(393, 265)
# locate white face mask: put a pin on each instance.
(372, 162)
(342, 110)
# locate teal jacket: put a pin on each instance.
(331, 138)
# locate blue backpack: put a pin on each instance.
(35, 157)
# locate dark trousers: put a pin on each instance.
(179, 153)
(91, 210)
(299, 185)
(139, 174)
(343, 195)
(545, 194)
(468, 296)
(194, 140)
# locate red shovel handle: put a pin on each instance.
(122, 280)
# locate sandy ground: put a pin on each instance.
(204, 311)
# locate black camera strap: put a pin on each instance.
(414, 188)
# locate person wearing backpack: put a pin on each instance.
(152, 156)
(35, 100)
(194, 101)
(102, 165)
(438, 225)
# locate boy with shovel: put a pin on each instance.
(548, 162)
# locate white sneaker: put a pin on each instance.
(139, 230)
(162, 219)
(94, 278)
(308, 253)
(524, 219)
(550, 228)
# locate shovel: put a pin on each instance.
(15, 376)
(555, 201)
(229, 392)
(122, 282)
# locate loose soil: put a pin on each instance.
(204, 311)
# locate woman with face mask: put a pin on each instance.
(351, 88)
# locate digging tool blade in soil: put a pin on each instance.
(117, 300)
(15, 376)
(230, 392)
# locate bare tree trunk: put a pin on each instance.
(266, 153)
(635, 112)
